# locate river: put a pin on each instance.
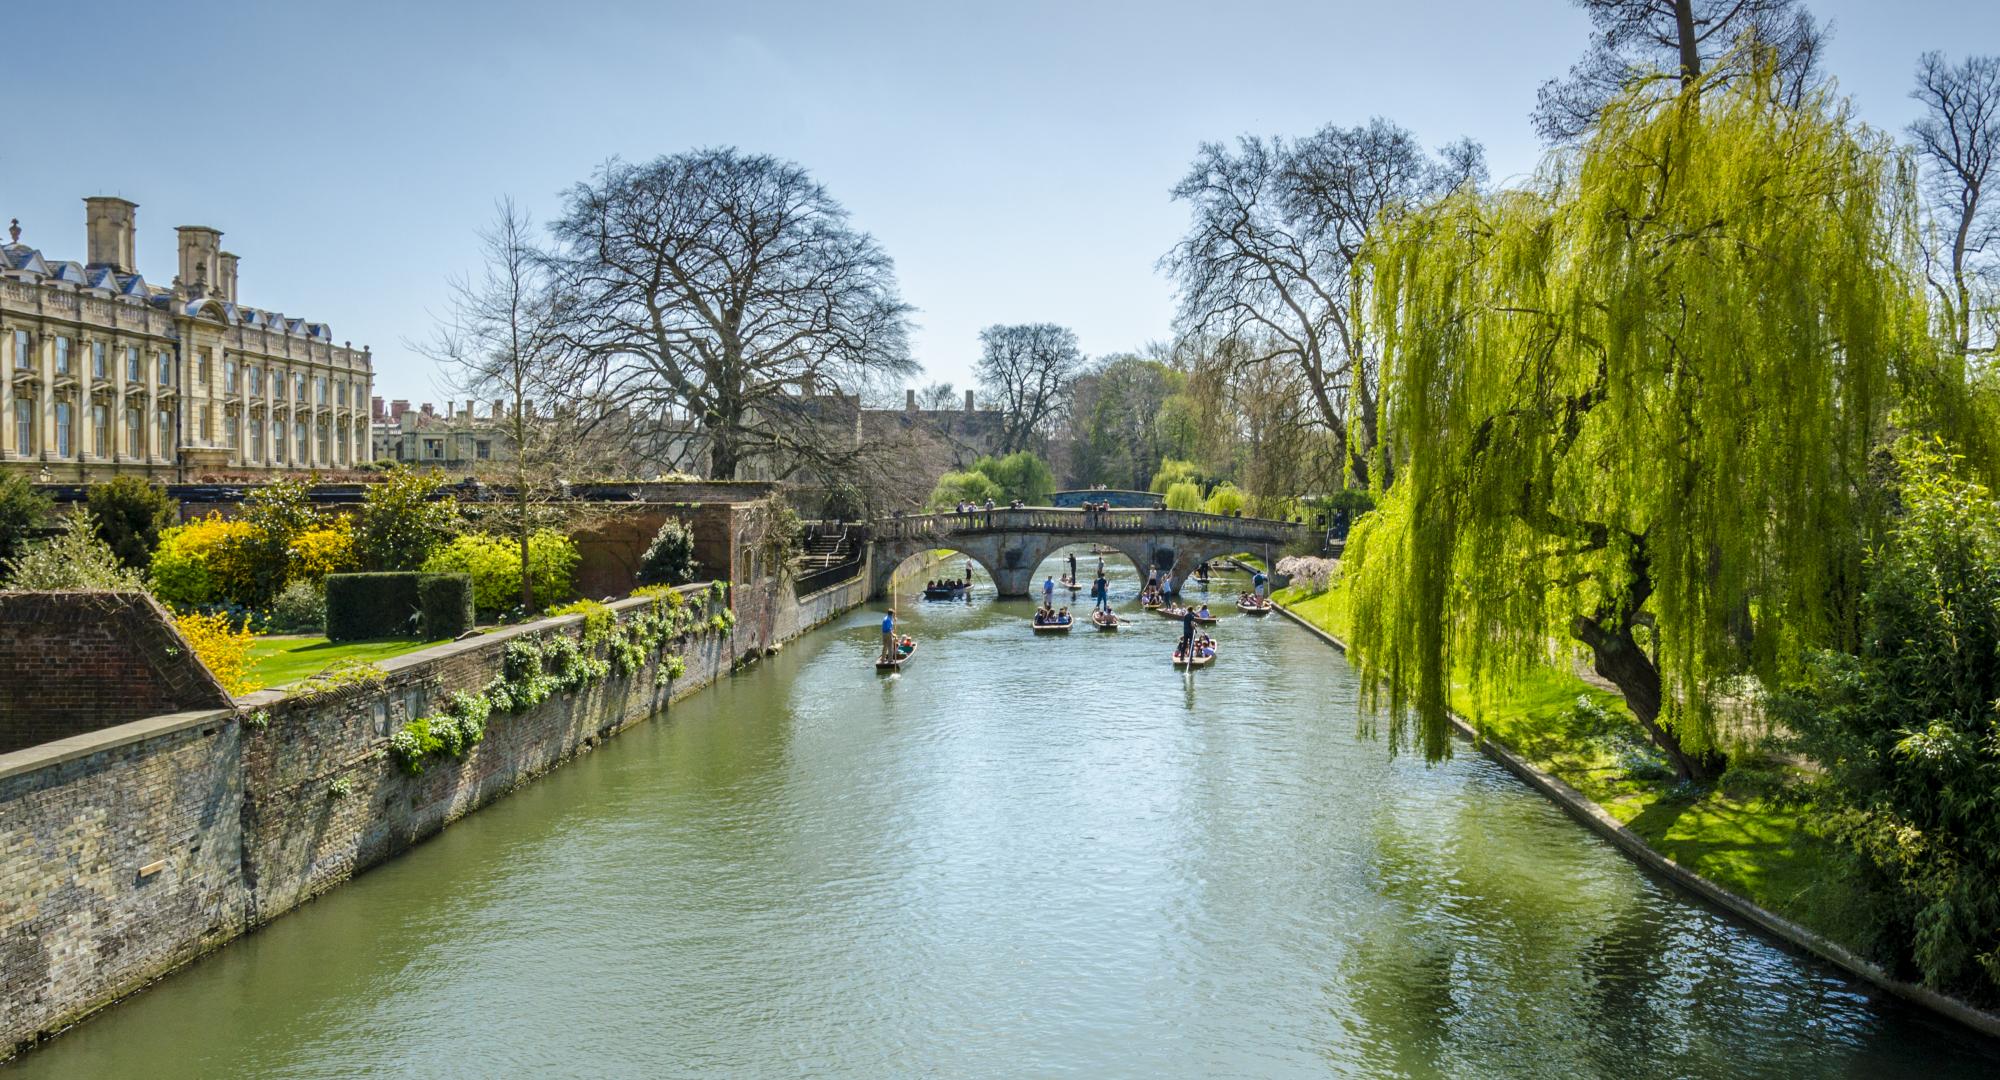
(1022, 856)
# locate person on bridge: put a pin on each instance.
(1049, 592)
(889, 635)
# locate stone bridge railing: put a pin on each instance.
(1093, 522)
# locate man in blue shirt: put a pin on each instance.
(1049, 593)
(1257, 581)
(889, 635)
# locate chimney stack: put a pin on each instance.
(226, 283)
(909, 401)
(108, 226)
(428, 410)
(499, 410)
(968, 401)
(200, 273)
(467, 417)
(375, 409)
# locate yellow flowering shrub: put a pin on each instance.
(327, 548)
(205, 561)
(222, 646)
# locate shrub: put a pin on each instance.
(364, 606)
(444, 605)
(325, 548)
(1185, 495)
(403, 520)
(301, 608)
(22, 511)
(73, 559)
(206, 561)
(494, 564)
(222, 646)
(1908, 731)
(597, 619)
(131, 514)
(669, 559)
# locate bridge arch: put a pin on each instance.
(1010, 544)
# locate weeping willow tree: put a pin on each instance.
(1632, 406)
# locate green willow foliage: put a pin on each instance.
(1636, 397)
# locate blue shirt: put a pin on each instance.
(888, 624)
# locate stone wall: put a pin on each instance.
(72, 663)
(124, 853)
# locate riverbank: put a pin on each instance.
(1745, 844)
(130, 851)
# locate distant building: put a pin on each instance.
(457, 441)
(103, 373)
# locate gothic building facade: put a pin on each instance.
(104, 374)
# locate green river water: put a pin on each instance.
(1021, 857)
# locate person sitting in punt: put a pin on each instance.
(1203, 613)
(1062, 616)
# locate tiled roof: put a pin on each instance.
(28, 264)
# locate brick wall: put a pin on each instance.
(240, 821)
(116, 867)
(72, 663)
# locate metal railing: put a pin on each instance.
(1055, 520)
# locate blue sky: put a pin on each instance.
(1014, 158)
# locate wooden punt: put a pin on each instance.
(1104, 620)
(1251, 607)
(1193, 662)
(948, 592)
(1055, 627)
(899, 661)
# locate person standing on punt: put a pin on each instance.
(1049, 593)
(1187, 628)
(889, 635)
(1072, 568)
(1100, 590)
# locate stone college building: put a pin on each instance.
(103, 374)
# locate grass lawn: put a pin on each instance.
(276, 661)
(1740, 834)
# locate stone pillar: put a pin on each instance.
(6, 392)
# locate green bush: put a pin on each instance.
(1908, 733)
(1184, 495)
(669, 559)
(1175, 471)
(131, 514)
(73, 559)
(1021, 475)
(300, 609)
(22, 511)
(364, 606)
(276, 514)
(403, 520)
(444, 604)
(494, 564)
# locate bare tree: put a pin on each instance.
(502, 340)
(730, 288)
(1269, 258)
(1027, 368)
(1639, 39)
(1959, 141)
(937, 397)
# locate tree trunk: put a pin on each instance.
(1690, 48)
(521, 526)
(1618, 657)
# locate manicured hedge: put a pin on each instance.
(363, 606)
(444, 604)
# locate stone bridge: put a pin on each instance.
(1010, 544)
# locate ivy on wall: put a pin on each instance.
(536, 667)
